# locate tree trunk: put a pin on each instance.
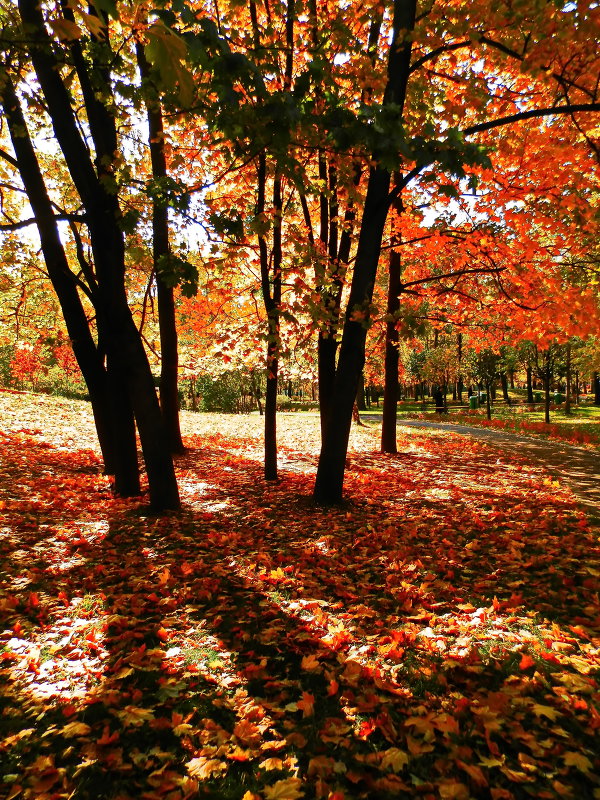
(88, 357)
(596, 388)
(169, 354)
(117, 330)
(546, 382)
(326, 353)
(529, 373)
(361, 400)
(271, 290)
(271, 413)
(332, 460)
(392, 356)
(390, 389)
(568, 380)
(504, 382)
(488, 400)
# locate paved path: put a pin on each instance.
(578, 467)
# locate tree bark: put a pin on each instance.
(504, 382)
(391, 360)
(568, 380)
(169, 353)
(529, 373)
(332, 460)
(114, 426)
(117, 330)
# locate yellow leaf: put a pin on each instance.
(247, 732)
(289, 789)
(75, 729)
(577, 760)
(203, 768)
(271, 763)
(452, 790)
(395, 758)
(124, 672)
(491, 762)
(131, 715)
(65, 30)
(310, 663)
(546, 711)
(183, 729)
(515, 775)
(94, 25)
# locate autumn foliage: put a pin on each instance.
(434, 638)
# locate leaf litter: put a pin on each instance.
(436, 637)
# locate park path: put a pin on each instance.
(577, 467)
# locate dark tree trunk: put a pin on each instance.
(504, 382)
(361, 399)
(596, 388)
(169, 354)
(546, 382)
(326, 354)
(271, 290)
(529, 373)
(107, 419)
(568, 381)
(271, 413)
(438, 396)
(390, 389)
(255, 388)
(127, 478)
(332, 460)
(117, 330)
(488, 399)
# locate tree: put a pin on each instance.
(161, 252)
(130, 382)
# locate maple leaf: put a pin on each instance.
(247, 732)
(453, 790)
(394, 758)
(577, 760)
(204, 768)
(288, 789)
(306, 704)
(132, 715)
(75, 729)
(526, 662)
(546, 711)
(310, 662)
(271, 763)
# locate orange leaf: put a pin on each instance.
(526, 662)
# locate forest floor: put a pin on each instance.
(437, 637)
(577, 467)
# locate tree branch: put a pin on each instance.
(15, 226)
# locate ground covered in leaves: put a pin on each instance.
(435, 638)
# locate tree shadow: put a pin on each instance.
(255, 637)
